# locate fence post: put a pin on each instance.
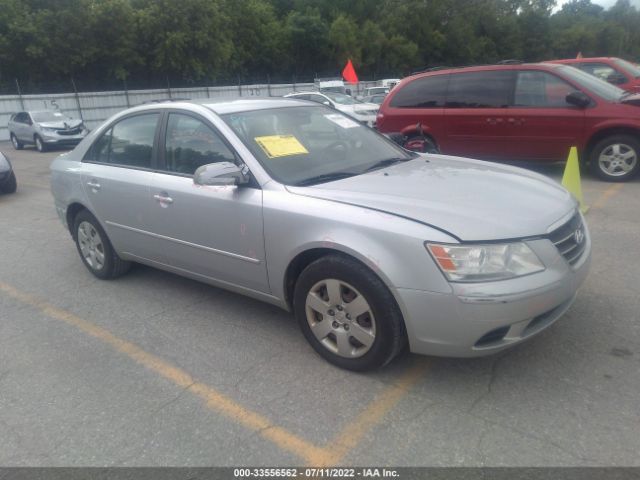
(293, 81)
(126, 92)
(239, 86)
(20, 95)
(168, 87)
(208, 92)
(75, 91)
(269, 84)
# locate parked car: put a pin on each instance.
(520, 112)
(371, 246)
(45, 129)
(376, 91)
(8, 183)
(361, 111)
(617, 71)
(376, 99)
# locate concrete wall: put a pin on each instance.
(95, 107)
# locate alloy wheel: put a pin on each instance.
(91, 245)
(618, 159)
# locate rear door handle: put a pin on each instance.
(163, 199)
(94, 185)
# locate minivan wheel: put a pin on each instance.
(95, 248)
(616, 158)
(40, 145)
(16, 143)
(12, 184)
(347, 314)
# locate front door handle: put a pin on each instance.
(163, 199)
(94, 185)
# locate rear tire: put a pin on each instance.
(95, 249)
(17, 144)
(12, 185)
(347, 314)
(616, 158)
(40, 145)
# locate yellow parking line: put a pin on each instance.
(604, 197)
(352, 434)
(215, 400)
(331, 454)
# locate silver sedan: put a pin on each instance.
(374, 248)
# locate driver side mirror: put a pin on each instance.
(221, 174)
(578, 99)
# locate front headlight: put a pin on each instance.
(481, 263)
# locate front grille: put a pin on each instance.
(570, 239)
(74, 131)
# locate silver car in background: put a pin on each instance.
(45, 129)
(373, 248)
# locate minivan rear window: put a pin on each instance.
(487, 89)
(425, 92)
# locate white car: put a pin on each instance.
(363, 112)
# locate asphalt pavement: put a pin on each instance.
(153, 369)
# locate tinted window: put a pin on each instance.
(191, 143)
(490, 89)
(540, 89)
(129, 142)
(599, 87)
(425, 92)
(600, 70)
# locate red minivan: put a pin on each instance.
(530, 112)
(617, 71)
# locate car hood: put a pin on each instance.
(62, 124)
(470, 199)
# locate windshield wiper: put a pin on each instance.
(385, 163)
(325, 177)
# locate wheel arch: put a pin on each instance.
(304, 258)
(606, 132)
(72, 211)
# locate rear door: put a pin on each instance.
(476, 114)
(541, 124)
(116, 175)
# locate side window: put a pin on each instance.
(128, 143)
(600, 70)
(425, 92)
(488, 89)
(540, 89)
(190, 143)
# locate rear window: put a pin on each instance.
(489, 89)
(425, 92)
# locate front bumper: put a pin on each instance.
(480, 319)
(53, 138)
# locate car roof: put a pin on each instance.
(483, 68)
(584, 59)
(223, 106)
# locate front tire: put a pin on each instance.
(616, 158)
(17, 144)
(347, 314)
(40, 145)
(95, 249)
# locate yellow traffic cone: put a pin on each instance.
(571, 178)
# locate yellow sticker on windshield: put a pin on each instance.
(281, 145)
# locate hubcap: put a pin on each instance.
(618, 159)
(14, 140)
(91, 245)
(38, 144)
(340, 318)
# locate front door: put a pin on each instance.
(216, 232)
(542, 125)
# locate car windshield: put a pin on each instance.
(628, 66)
(308, 145)
(341, 98)
(40, 117)
(600, 87)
